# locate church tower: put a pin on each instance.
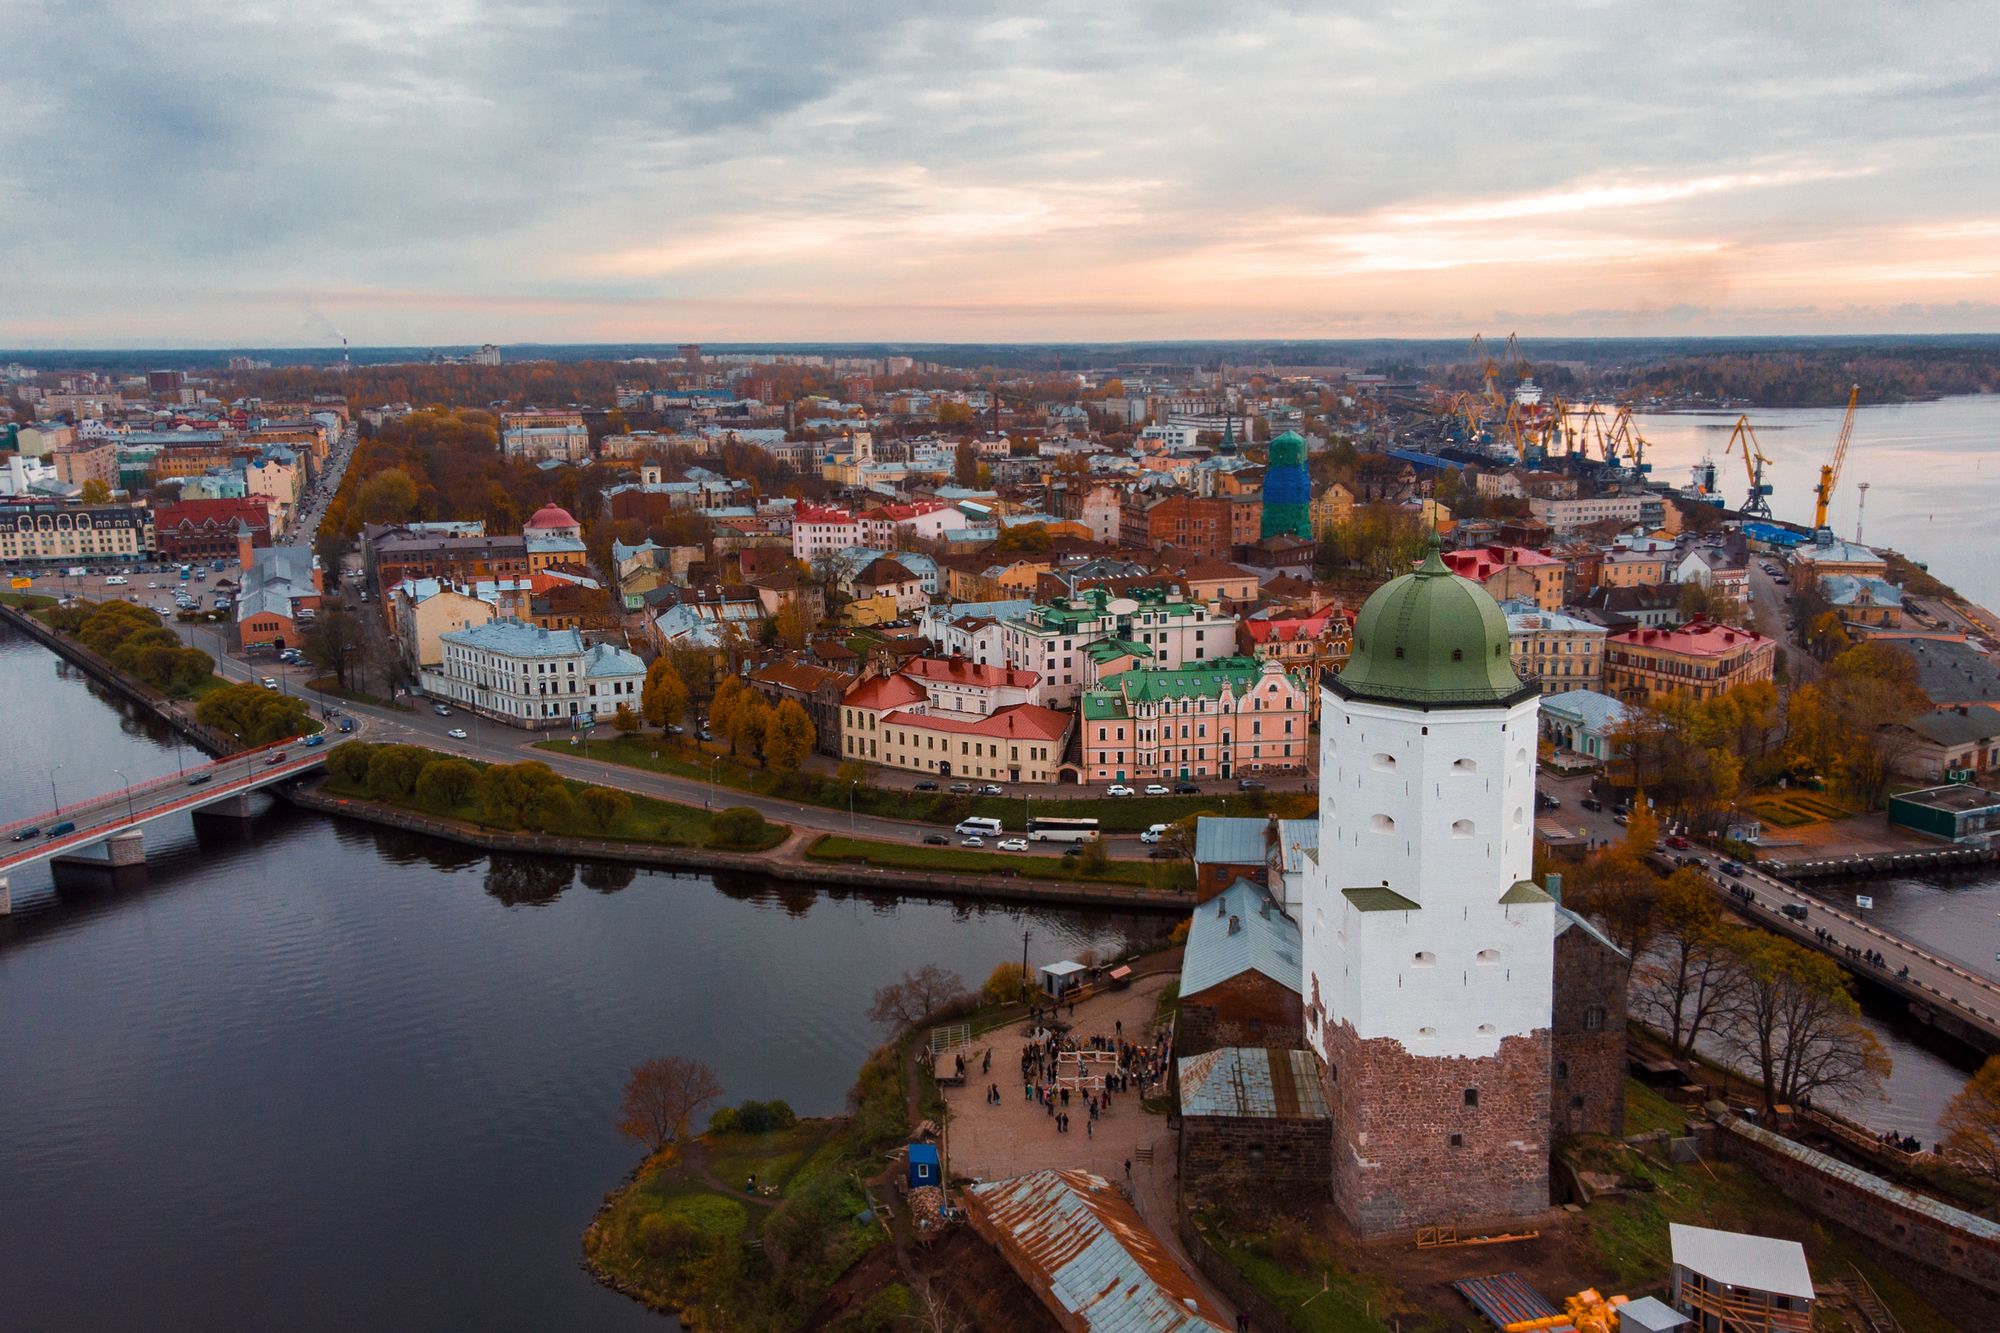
(1428, 954)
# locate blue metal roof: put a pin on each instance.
(1265, 940)
(924, 1152)
(1594, 710)
(515, 638)
(1252, 1082)
(1229, 840)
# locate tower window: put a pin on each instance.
(1472, 1096)
(1461, 828)
(1458, 654)
(1386, 762)
(1562, 1069)
(1593, 1018)
(1458, 1140)
(1486, 957)
(1399, 651)
(1464, 766)
(1381, 824)
(1424, 958)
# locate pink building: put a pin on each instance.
(1228, 718)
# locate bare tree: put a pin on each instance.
(1690, 982)
(662, 1097)
(1798, 1024)
(917, 996)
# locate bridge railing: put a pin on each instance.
(146, 789)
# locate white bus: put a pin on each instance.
(989, 828)
(1055, 829)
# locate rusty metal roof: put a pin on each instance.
(1252, 1082)
(1086, 1250)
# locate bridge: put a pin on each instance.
(1940, 993)
(118, 816)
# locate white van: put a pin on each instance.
(984, 827)
(1154, 834)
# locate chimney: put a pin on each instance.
(1235, 924)
(1555, 886)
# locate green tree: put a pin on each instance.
(738, 826)
(445, 784)
(389, 496)
(625, 721)
(605, 806)
(507, 792)
(664, 697)
(255, 716)
(789, 736)
(394, 771)
(552, 810)
(348, 764)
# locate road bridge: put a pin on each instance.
(117, 816)
(1940, 993)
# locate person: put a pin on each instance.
(986, 1065)
(1242, 1322)
(1128, 1168)
(1090, 1128)
(750, 1184)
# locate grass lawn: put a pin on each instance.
(774, 1158)
(327, 685)
(650, 820)
(1646, 1110)
(917, 856)
(27, 601)
(1307, 1282)
(1133, 814)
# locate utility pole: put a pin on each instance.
(1860, 510)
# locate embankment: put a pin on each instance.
(107, 674)
(987, 888)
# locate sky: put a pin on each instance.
(251, 173)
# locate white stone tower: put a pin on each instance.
(1428, 955)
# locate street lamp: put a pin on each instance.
(131, 816)
(53, 794)
(709, 802)
(852, 827)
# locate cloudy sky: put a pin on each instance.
(208, 172)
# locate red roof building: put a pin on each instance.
(207, 529)
(1701, 659)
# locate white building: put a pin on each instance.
(817, 531)
(1166, 629)
(533, 677)
(1429, 956)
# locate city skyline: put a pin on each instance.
(264, 175)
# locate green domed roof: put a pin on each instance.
(1432, 639)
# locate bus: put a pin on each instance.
(1043, 828)
(986, 828)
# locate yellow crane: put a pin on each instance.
(1829, 472)
(1743, 440)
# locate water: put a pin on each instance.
(1930, 497)
(329, 1076)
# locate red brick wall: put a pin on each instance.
(1249, 1009)
(1212, 877)
(1223, 1156)
(1395, 1165)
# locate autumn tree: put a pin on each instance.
(337, 642)
(1798, 1024)
(1688, 983)
(443, 784)
(508, 793)
(965, 462)
(1617, 889)
(749, 719)
(95, 492)
(664, 697)
(663, 1097)
(1006, 984)
(1971, 1123)
(793, 623)
(789, 736)
(918, 995)
(625, 721)
(605, 806)
(389, 496)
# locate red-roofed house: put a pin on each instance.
(893, 721)
(1303, 643)
(1700, 658)
(962, 686)
(1512, 572)
(928, 519)
(818, 531)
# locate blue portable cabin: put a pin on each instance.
(924, 1165)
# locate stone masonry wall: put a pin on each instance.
(1410, 1150)
(1939, 1237)
(1587, 1031)
(1249, 1009)
(1227, 1155)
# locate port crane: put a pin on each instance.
(1829, 472)
(1744, 439)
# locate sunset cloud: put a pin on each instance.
(617, 169)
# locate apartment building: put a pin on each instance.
(1700, 658)
(890, 720)
(539, 436)
(532, 677)
(1509, 572)
(1555, 652)
(1218, 719)
(1161, 626)
(54, 533)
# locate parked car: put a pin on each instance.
(1621, 819)
(925, 786)
(1544, 801)
(1155, 789)
(991, 789)
(270, 682)
(1186, 789)
(972, 840)
(1249, 784)
(1163, 853)
(22, 835)
(1118, 789)
(962, 788)
(440, 710)
(456, 733)
(1013, 844)
(936, 840)
(1591, 803)
(1678, 843)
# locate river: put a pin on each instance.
(1929, 497)
(332, 1077)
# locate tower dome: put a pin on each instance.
(551, 516)
(1432, 639)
